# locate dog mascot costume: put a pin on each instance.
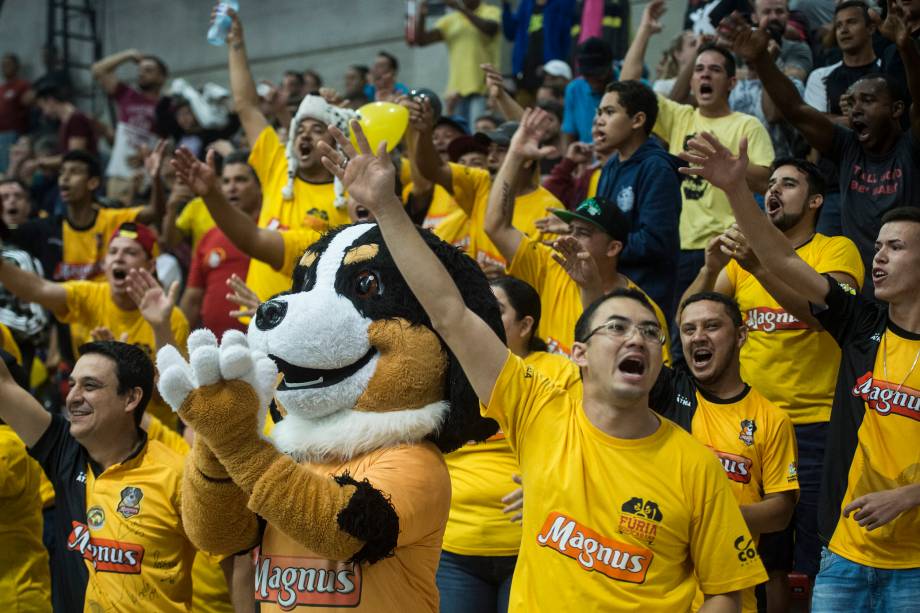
(349, 500)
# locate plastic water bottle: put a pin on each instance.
(217, 33)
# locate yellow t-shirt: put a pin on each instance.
(25, 581)
(8, 344)
(454, 229)
(90, 304)
(706, 211)
(480, 475)
(755, 442)
(467, 48)
(195, 220)
(471, 188)
(560, 297)
(85, 248)
(313, 207)
(885, 457)
(634, 524)
(595, 179)
(209, 585)
(156, 557)
(806, 394)
(295, 243)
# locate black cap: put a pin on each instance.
(457, 123)
(601, 214)
(462, 145)
(594, 57)
(501, 136)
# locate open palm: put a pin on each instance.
(369, 178)
(713, 161)
(200, 177)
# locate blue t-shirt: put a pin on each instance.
(580, 106)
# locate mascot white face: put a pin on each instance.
(356, 352)
(318, 338)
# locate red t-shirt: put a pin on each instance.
(14, 115)
(214, 261)
(77, 125)
(134, 108)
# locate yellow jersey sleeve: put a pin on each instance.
(110, 219)
(519, 393)
(156, 431)
(720, 569)
(839, 254)
(84, 298)
(179, 325)
(760, 147)
(470, 186)
(530, 263)
(780, 456)
(8, 344)
(266, 152)
(295, 243)
(671, 115)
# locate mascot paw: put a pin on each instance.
(210, 363)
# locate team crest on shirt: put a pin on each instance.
(640, 519)
(216, 256)
(626, 198)
(95, 517)
(793, 473)
(130, 504)
(748, 428)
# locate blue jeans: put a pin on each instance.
(474, 584)
(847, 586)
(470, 108)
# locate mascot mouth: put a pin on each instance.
(300, 378)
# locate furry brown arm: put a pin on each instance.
(214, 512)
(338, 518)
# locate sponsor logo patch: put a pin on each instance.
(763, 319)
(747, 553)
(737, 467)
(312, 582)
(106, 555)
(95, 517)
(748, 428)
(885, 398)
(130, 504)
(593, 551)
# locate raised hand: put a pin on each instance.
(104, 334)
(154, 304)
(153, 161)
(894, 28)
(736, 245)
(235, 34)
(577, 262)
(713, 161)
(532, 130)
(242, 296)
(421, 115)
(200, 177)
(750, 44)
(369, 178)
(580, 153)
(651, 16)
(716, 255)
(551, 225)
(495, 83)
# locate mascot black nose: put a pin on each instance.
(270, 314)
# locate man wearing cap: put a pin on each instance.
(556, 73)
(470, 186)
(297, 189)
(595, 63)
(129, 304)
(470, 33)
(597, 227)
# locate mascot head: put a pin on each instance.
(361, 366)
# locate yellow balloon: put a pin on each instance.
(382, 121)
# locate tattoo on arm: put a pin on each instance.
(507, 203)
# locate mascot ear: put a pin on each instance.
(464, 422)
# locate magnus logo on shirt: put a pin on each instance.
(77, 272)
(554, 346)
(312, 582)
(737, 467)
(764, 319)
(594, 552)
(106, 555)
(885, 398)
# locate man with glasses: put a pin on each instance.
(624, 508)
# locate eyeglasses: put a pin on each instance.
(620, 327)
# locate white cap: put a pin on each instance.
(558, 68)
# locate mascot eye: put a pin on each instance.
(367, 285)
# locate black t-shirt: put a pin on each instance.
(674, 396)
(65, 462)
(871, 185)
(533, 59)
(857, 324)
(839, 80)
(42, 239)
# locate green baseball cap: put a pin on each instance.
(601, 214)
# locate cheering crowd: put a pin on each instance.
(707, 266)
